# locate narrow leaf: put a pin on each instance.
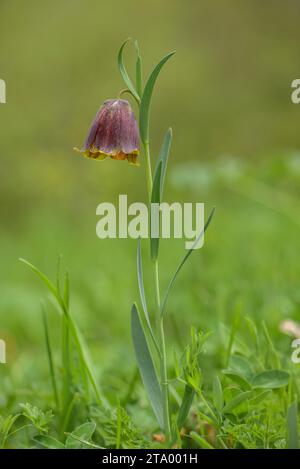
(50, 358)
(163, 157)
(124, 73)
(233, 331)
(58, 271)
(186, 404)
(79, 342)
(43, 277)
(67, 290)
(119, 426)
(145, 365)
(138, 71)
(146, 99)
(185, 258)
(292, 427)
(218, 394)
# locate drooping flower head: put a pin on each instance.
(114, 133)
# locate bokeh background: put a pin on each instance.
(226, 94)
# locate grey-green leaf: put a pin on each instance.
(146, 99)
(124, 73)
(163, 158)
(145, 365)
(138, 71)
(272, 379)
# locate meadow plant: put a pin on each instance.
(114, 134)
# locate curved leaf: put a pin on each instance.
(138, 71)
(184, 260)
(124, 73)
(146, 98)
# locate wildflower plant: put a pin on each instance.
(149, 342)
(114, 133)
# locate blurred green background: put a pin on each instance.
(226, 94)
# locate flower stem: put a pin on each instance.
(159, 317)
(148, 170)
(163, 357)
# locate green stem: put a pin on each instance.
(148, 170)
(160, 318)
(163, 358)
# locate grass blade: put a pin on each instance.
(66, 364)
(292, 427)
(146, 98)
(181, 264)
(124, 73)
(233, 331)
(119, 426)
(43, 277)
(50, 358)
(67, 290)
(78, 340)
(145, 365)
